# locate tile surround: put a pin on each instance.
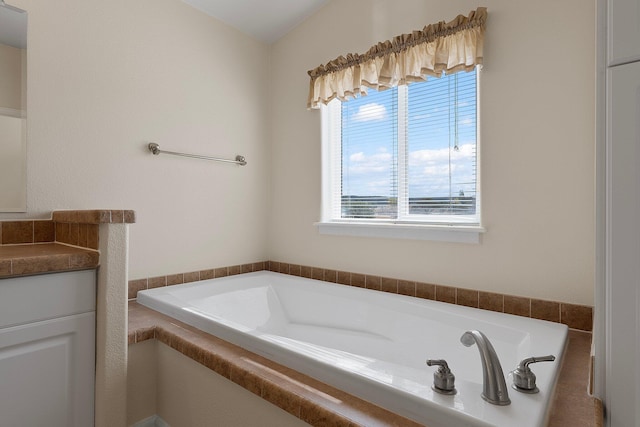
(81, 229)
(22, 232)
(76, 228)
(491, 301)
(467, 297)
(572, 405)
(517, 305)
(44, 231)
(193, 276)
(545, 310)
(17, 260)
(445, 294)
(575, 316)
(312, 401)
(68, 241)
(321, 405)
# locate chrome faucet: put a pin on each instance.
(494, 388)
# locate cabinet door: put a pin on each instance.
(46, 296)
(47, 373)
(624, 31)
(623, 245)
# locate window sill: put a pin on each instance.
(440, 233)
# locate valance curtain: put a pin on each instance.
(437, 48)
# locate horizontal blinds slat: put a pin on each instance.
(369, 141)
(441, 116)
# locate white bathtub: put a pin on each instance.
(373, 344)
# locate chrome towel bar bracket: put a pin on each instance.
(155, 149)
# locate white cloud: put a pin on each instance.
(433, 157)
(430, 169)
(357, 157)
(361, 163)
(368, 174)
(370, 112)
(437, 170)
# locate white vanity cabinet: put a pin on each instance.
(624, 31)
(47, 350)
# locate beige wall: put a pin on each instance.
(119, 74)
(13, 176)
(142, 370)
(104, 79)
(184, 393)
(537, 108)
(10, 77)
(12, 164)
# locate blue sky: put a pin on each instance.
(435, 168)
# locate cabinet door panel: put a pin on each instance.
(623, 245)
(624, 31)
(47, 373)
(46, 296)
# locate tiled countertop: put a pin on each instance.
(17, 260)
(67, 241)
(319, 404)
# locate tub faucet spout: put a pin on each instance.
(494, 387)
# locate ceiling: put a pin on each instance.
(266, 20)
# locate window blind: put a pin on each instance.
(370, 156)
(441, 146)
(408, 153)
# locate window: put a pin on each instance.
(404, 156)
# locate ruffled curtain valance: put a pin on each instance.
(441, 47)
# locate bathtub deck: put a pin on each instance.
(319, 404)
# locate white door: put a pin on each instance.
(624, 31)
(623, 246)
(47, 373)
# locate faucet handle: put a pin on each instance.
(524, 380)
(443, 378)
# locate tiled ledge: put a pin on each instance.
(575, 316)
(310, 400)
(321, 405)
(41, 246)
(44, 258)
(572, 404)
(78, 228)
